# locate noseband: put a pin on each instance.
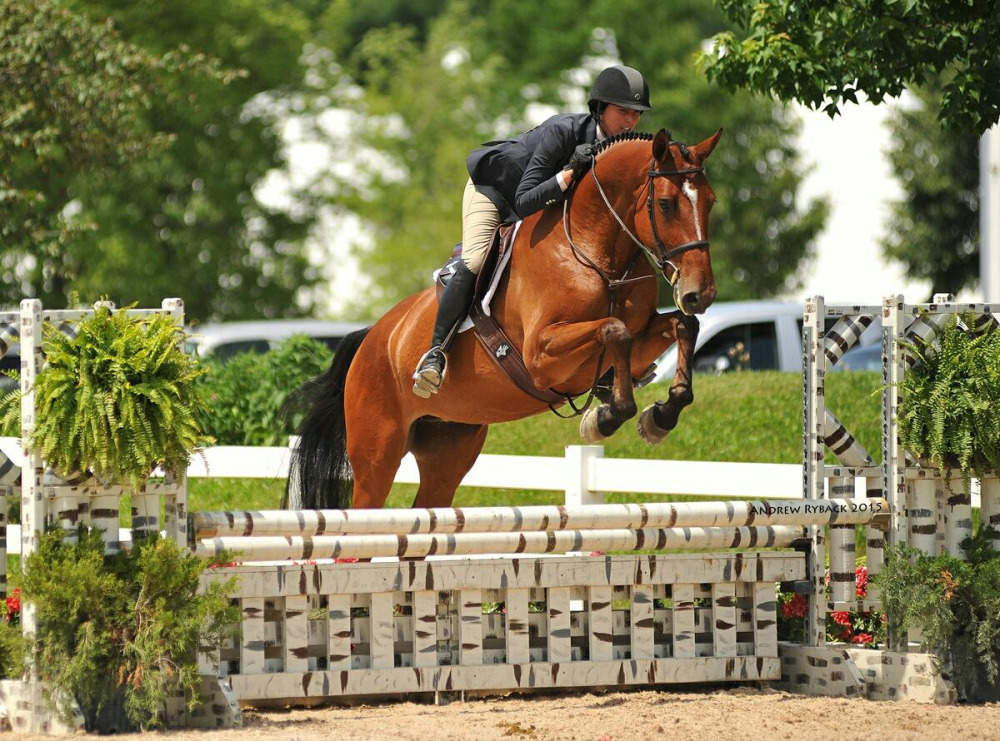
(662, 256)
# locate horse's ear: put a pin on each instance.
(703, 149)
(660, 144)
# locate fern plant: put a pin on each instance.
(949, 413)
(118, 399)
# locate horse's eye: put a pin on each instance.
(668, 206)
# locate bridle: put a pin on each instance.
(661, 257)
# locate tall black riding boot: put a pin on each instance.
(452, 309)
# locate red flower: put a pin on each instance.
(841, 617)
(844, 635)
(861, 581)
(862, 638)
(796, 607)
(13, 603)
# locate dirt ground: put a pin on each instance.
(706, 713)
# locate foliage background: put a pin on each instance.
(159, 190)
(138, 149)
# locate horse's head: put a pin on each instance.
(677, 207)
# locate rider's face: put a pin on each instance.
(615, 119)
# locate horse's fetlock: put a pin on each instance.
(682, 395)
(627, 411)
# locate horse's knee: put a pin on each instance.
(614, 331)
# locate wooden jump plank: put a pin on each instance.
(338, 631)
(599, 603)
(470, 626)
(683, 620)
(424, 628)
(505, 676)
(641, 622)
(559, 629)
(253, 638)
(296, 634)
(581, 571)
(724, 619)
(517, 625)
(765, 632)
(382, 636)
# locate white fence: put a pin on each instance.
(583, 473)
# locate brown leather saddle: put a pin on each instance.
(489, 333)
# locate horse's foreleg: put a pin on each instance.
(660, 418)
(561, 350)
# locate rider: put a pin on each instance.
(511, 179)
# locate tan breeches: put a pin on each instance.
(480, 219)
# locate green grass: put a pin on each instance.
(750, 417)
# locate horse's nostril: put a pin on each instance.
(690, 299)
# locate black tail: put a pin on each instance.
(319, 465)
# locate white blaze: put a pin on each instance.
(692, 195)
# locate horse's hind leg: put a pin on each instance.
(375, 455)
(445, 451)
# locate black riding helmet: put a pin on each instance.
(621, 85)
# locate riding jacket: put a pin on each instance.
(519, 175)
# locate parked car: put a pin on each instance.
(749, 335)
(223, 340)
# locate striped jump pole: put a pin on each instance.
(844, 335)
(843, 551)
(534, 518)
(283, 548)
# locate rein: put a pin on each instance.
(660, 258)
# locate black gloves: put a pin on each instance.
(580, 162)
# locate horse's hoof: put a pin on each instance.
(649, 431)
(589, 432)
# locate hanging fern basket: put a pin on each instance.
(949, 414)
(117, 400)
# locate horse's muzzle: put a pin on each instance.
(693, 301)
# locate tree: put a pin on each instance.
(189, 221)
(182, 219)
(934, 229)
(74, 96)
(422, 118)
(823, 54)
(467, 79)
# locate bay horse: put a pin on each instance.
(578, 299)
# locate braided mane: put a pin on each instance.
(622, 137)
(625, 136)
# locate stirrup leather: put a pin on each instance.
(427, 379)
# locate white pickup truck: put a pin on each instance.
(749, 335)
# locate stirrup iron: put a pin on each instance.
(427, 380)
